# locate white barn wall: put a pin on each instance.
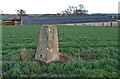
(115, 24)
(106, 24)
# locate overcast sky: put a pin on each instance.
(54, 6)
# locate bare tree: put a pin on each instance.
(76, 10)
(21, 13)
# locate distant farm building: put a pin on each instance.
(112, 15)
(10, 21)
(81, 20)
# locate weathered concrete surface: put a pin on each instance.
(48, 50)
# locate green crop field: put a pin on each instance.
(93, 52)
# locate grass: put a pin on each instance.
(94, 52)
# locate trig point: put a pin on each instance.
(48, 50)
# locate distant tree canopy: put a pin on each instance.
(21, 13)
(76, 10)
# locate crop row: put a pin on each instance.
(97, 48)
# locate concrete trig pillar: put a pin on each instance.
(48, 50)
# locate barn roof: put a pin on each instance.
(38, 20)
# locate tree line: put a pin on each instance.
(75, 10)
(71, 10)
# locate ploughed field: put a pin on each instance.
(87, 52)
